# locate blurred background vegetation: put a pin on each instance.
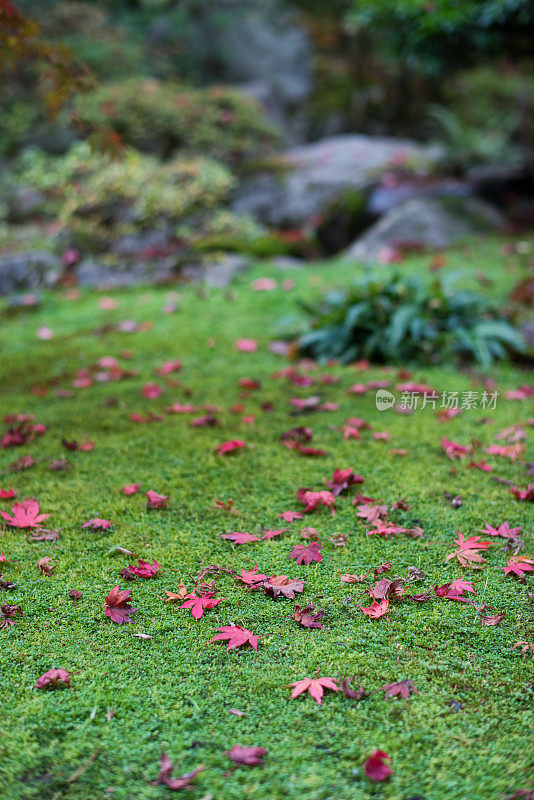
(204, 94)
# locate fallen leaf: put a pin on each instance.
(236, 636)
(315, 687)
(307, 617)
(377, 767)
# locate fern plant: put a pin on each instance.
(386, 317)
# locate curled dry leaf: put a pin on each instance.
(50, 679)
(525, 647)
(155, 500)
(282, 586)
(7, 615)
(248, 756)
(175, 597)
(352, 694)
(165, 772)
(45, 565)
(307, 617)
(496, 619)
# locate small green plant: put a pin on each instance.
(468, 145)
(386, 317)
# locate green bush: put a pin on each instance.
(97, 198)
(388, 318)
(160, 118)
(493, 93)
(468, 145)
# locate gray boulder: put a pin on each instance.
(429, 222)
(20, 272)
(315, 175)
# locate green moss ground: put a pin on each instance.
(175, 692)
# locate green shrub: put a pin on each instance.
(98, 198)
(160, 118)
(492, 93)
(388, 318)
(468, 145)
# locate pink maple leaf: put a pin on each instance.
(376, 610)
(144, 569)
(231, 446)
(51, 679)
(130, 488)
(239, 538)
(200, 604)
(246, 345)
(98, 524)
(290, 516)
(25, 515)
(155, 500)
(306, 554)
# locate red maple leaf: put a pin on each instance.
(98, 524)
(290, 516)
(454, 450)
(251, 577)
(7, 494)
(236, 636)
(519, 565)
(459, 585)
(200, 604)
(155, 500)
(179, 408)
(25, 515)
(307, 617)
(84, 445)
(376, 610)
(281, 586)
(342, 479)
(231, 446)
(168, 367)
(523, 494)
(144, 569)
(226, 505)
(248, 756)
(51, 679)
(467, 552)
(315, 687)
(306, 554)
(130, 488)
(446, 592)
(117, 608)
(271, 533)
(239, 538)
(503, 530)
(376, 767)
(165, 771)
(402, 688)
(152, 391)
(312, 500)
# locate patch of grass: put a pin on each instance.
(174, 691)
